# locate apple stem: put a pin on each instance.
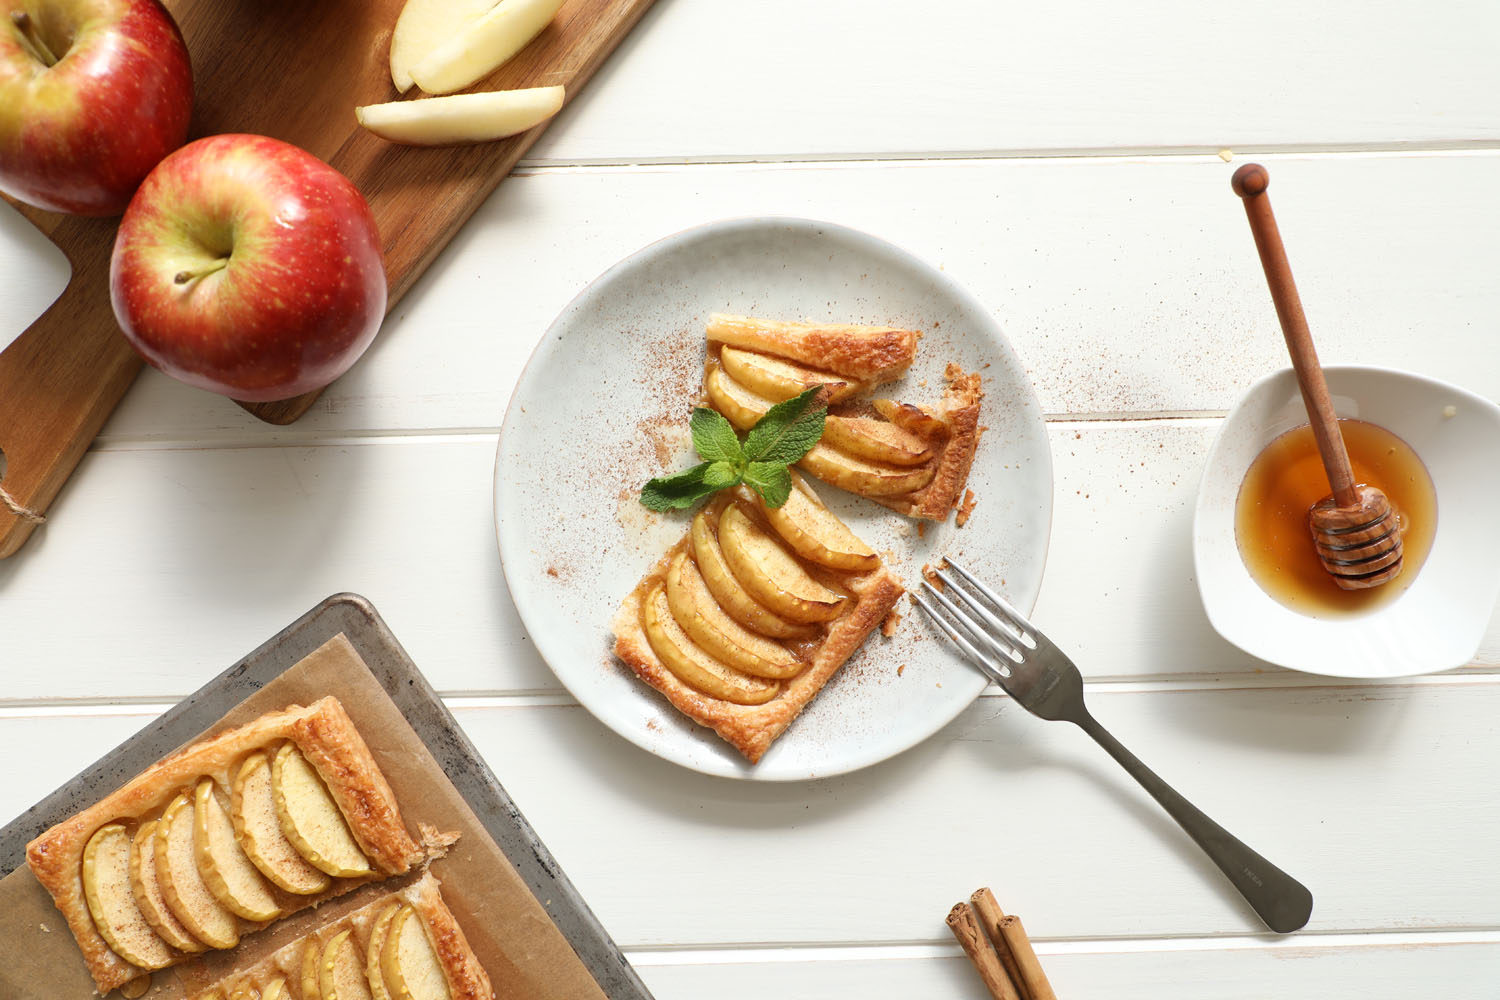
(183, 277)
(31, 38)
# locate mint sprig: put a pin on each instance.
(781, 437)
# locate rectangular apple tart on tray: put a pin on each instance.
(224, 837)
(747, 617)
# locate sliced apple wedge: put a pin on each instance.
(873, 354)
(379, 931)
(422, 26)
(693, 665)
(311, 819)
(312, 957)
(911, 418)
(257, 827)
(275, 990)
(227, 872)
(732, 597)
(461, 118)
(706, 623)
(815, 533)
(876, 440)
(409, 963)
(739, 405)
(484, 45)
(341, 970)
(776, 379)
(771, 575)
(106, 890)
(182, 884)
(866, 478)
(146, 888)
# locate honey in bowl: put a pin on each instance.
(1287, 478)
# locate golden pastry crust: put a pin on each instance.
(959, 411)
(872, 354)
(466, 978)
(323, 732)
(751, 729)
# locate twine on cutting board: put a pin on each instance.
(17, 508)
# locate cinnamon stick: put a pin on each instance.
(1027, 965)
(965, 928)
(990, 914)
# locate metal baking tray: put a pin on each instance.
(357, 619)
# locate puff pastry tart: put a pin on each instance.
(220, 839)
(745, 619)
(913, 459)
(404, 946)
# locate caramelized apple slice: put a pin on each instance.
(814, 533)
(700, 616)
(312, 955)
(870, 353)
(732, 597)
(739, 405)
(770, 574)
(106, 890)
(341, 971)
(876, 440)
(146, 888)
(182, 884)
(694, 666)
(409, 963)
(275, 990)
(378, 933)
(229, 875)
(311, 819)
(866, 478)
(911, 418)
(776, 379)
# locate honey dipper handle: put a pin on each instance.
(1250, 183)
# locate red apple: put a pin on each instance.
(93, 93)
(248, 267)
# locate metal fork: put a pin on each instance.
(1031, 669)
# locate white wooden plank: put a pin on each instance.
(1351, 789)
(160, 567)
(850, 78)
(1126, 286)
(1454, 971)
(36, 273)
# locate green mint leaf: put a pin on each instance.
(721, 475)
(714, 437)
(771, 480)
(681, 489)
(788, 430)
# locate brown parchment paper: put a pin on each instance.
(525, 954)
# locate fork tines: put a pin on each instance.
(993, 634)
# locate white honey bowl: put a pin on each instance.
(1441, 618)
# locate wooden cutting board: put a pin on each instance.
(293, 69)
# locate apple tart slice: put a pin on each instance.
(406, 945)
(915, 460)
(221, 838)
(745, 619)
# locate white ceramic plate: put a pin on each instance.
(1440, 618)
(615, 379)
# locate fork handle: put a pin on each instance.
(1280, 900)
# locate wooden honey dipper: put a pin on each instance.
(1356, 531)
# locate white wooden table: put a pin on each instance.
(1060, 160)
